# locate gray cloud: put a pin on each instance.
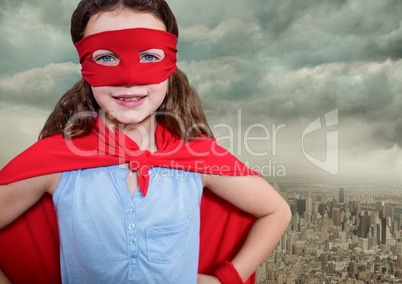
(39, 87)
(20, 126)
(305, 33)
(35, 34)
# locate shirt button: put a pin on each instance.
(129, 209)
(133, 241)
(133, 256)
(131, 226)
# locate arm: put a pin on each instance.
(255, 196)
(19, 196)
(4, 279)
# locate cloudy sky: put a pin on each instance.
(306, 90)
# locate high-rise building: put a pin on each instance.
(298, 248)
(332, 204)
(309, 204)
(352, 207)
(295, 222)
(353, 269)
(399, 261)
(326, 223)
(341, 195)
(388, 211)
(379, 233)
(342, 237)
(322, 209)
(378, 205)
(336, 216)
(385, 229)
(398, 248)
(284, 242)
(358, 208)
(363, 243)
(364, 226)
(301, 206)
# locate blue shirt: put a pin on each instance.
(108, 236)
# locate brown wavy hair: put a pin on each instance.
(181, 111)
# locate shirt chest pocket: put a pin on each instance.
(166, 243)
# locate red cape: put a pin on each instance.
(29, 247)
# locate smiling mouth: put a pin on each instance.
(129, 99)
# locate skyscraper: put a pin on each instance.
(388, 211)
(385, 229)
(336, 216)
(399, 261)
(364, 226)
(341, 195)
(301, 206)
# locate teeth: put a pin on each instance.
(130, 99)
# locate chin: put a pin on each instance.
(132, 121)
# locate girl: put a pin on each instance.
(130, 156)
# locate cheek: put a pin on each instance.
(99, 94)
(159, 89)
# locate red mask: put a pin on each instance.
(127, 44)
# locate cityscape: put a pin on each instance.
(338, 234)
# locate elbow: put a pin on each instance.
(4, 221)
(284, 213)
(287, 214)
(3, 217)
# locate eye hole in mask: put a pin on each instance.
(152, 55)
(109, 58)
(105, 57)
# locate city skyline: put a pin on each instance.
(328, 241)
(270, 74)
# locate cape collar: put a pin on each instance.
(105, 147)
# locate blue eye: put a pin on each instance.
(105, 57)
(148, 58)
(151, 55)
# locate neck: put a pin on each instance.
(142, 133)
